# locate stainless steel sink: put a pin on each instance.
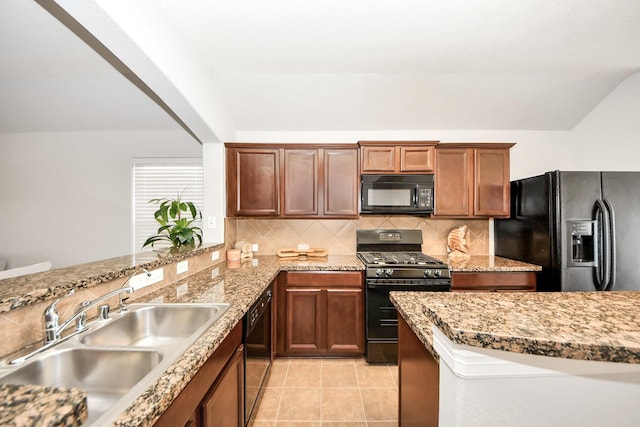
(116, 360)
(105, 374)
(156, 325)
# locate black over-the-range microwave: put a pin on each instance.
(397, 194)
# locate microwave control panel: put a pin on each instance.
(425, 198)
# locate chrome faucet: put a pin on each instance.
(52, 328)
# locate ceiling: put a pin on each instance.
(51, 81)
(340, 65)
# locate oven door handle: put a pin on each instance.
(381, 285)
(415, 287)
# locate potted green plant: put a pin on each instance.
(176, 218)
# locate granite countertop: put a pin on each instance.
(217, 284)
(29, 289)
(30, 405)
(601, 326)
(479, 263)
(26, 290)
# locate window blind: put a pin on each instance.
(159, 181)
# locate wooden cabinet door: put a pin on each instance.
(454, 182)
(416, 158)
(377, 159)
(341, 183)
(491, 177)
(304, 318)
(345, 321)
(419, 381)
(319, 314)
(253, 182)
(493, 281)
(300, 176)
(224, 407)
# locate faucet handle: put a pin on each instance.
(81, 321)
(52, 318)
(103, 312)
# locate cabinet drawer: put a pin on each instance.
(324, 278)
(494, 281)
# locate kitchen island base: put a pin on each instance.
(481, 387)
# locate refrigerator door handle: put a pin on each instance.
(611, 229)
(604, 248)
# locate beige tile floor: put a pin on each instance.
(329, 393)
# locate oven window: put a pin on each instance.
(389, 197)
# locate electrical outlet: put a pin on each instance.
(215, 255)
(215, 272)
(254, 247)
(142, 280)
(303, 247)
(254, 262)
(182, 267)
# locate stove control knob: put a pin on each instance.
(388, 272)
(427, 273)
(437, 273)
(378, 272)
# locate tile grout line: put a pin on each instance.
(366, 420)
(286, 374)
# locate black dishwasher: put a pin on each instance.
(257, 353)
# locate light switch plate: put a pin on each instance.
(303, 247)
(211, 222)
(215, 255)
(254, 247)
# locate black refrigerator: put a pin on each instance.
(583, 228)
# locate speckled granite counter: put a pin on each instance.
(24, 290)
(602, 326)
(238, 286)
(478, 263)
(29, 405)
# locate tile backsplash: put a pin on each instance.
(339, 236)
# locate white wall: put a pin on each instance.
(608, 138)
(610, 134)
(66, 197)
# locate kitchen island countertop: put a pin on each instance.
(598, 326)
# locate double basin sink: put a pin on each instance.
(115, 360)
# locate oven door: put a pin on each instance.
(382, 317)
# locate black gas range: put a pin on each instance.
(394, 262)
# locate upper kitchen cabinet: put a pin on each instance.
(301, 184)
(397, 156)
(341, 182)
(298, 181)
(253, 181)
(472, 180)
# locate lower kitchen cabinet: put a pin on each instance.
(493, 281)
(215, 395)
(222, 408)
(320, 314)
(419, 381)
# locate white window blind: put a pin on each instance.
(159, 181)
